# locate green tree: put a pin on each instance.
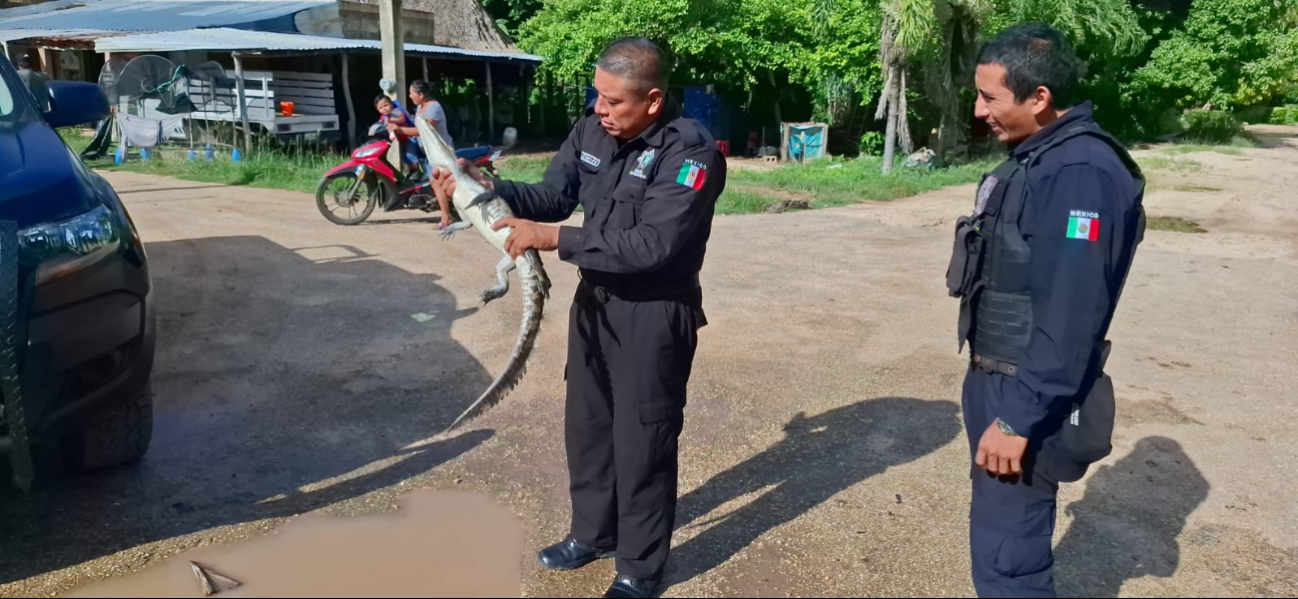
(510, 14)
(1230, 53)
(940, 38)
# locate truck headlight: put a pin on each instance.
(67, 246)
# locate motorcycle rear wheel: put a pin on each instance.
(373, 196)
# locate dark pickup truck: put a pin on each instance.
(77, 325)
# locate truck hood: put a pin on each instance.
(41, 180)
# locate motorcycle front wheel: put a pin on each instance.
(345, 191)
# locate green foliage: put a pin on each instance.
(1211, 125)
(1145, 62)
(1229, 53)
(510, 14)
(1173, 223)
(1285, 115)
(1095, 27)
(827, 183)
(872, 143)
(750, 37)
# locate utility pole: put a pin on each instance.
(394, 59)
(394, 54)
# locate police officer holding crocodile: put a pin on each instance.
(648, 180)
(1038, 268)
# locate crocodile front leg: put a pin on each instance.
(503, 268)
(453, 227)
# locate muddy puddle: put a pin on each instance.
(437, 544)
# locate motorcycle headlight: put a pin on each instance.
(366, 153)
(67, 246)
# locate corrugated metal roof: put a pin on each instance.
(13, 35)
(160, 15)
(230, 40)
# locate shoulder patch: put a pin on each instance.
(1083, 224)
(692, 174)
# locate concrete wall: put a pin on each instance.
(352, 20)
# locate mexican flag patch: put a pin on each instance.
(692, 174)
(1084, 225)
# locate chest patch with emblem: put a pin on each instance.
(590, 159)
(645, 158)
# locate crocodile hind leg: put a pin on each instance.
(505, 265)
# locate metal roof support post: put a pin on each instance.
(243, 103)
(351, 108)
(491, 109)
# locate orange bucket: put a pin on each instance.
(286, 108)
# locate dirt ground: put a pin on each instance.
(302, 366)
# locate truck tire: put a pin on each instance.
(119, 433)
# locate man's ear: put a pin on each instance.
(655, 101)
(1042, 100)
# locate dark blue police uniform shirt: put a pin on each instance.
(1075, 281)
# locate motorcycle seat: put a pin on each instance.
(474, 153)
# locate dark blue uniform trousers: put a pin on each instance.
(1011, 520)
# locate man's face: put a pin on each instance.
(625, 111)
(1010, 120)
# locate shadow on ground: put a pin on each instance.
(819, 457)
(1127, 524)
(282, 376)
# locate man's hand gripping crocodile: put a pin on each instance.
(479, 207)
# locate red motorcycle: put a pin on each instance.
(383, 184)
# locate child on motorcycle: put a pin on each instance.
(393, 112)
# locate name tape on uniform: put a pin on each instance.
(590, 159)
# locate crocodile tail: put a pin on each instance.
(535, 292)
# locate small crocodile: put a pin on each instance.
(479, 207)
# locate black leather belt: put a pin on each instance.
(989, 365)
(683, 287)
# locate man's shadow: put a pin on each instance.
(819, 457)
(1127, 524)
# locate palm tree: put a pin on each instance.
(907, 25)
(940, 37)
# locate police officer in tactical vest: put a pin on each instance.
(1038, 269)
(648, 180)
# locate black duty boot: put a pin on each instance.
(625, 586)
(569, 555)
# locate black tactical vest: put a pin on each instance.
(990, 263)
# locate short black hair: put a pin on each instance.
(382, 97)
(638, 60)
(24, 62)
(1035, 55)
(423, 87)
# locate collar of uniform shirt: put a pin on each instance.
(1074, 114)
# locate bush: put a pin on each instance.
(1285, 115)
(1211, 125)
(872, 143)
